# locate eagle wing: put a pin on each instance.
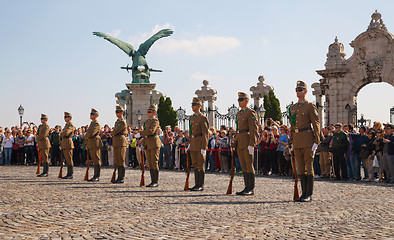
(127, 48)
(144, 47)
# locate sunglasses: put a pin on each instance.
(241, 99)
(118, 111)
(66, 116)
(43, 118)
(299, 89)
(92, 113)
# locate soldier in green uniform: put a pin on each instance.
(305, 139)
(94, 143)
(44, 144)
(152, 144)
(119, 144)
(198, 144)
(245, 141)
(67, 144)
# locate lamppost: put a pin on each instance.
(392, 115)
(362, 120)
(261, 113)
(139, 117)
(21, 110)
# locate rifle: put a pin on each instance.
(230, 184)
(61, 168)
(187, 172)
(296, 194)
(142, 182)
(87, 166)
(39, 161)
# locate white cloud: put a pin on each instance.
(115, 33)
(265, 41)
(202, 76)
(202, 46)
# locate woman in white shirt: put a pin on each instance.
(7, 144)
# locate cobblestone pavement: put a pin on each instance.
(50, 208)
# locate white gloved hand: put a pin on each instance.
(251, 150)
(203, 152)
(188, 146)
(314, 147)
(137, 135)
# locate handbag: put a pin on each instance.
(15, 146)
(375, 162)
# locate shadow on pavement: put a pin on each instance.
(236, 203)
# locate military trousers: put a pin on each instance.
(68, 155)
(304, 159)
(44, 155)
(198, 160)
(246, 160)
(152, 157)
(95, 155)
(325, 163)
(120, 156)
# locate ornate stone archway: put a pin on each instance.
(372, 61)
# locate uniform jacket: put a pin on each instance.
(198, 132)
(119, 133)
(93, 136)
(304, 115)
(66, 136)
(42, 138)
(246, 129)
(152, 140)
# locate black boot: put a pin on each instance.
(69, 172)
(45, 172)
(154, 175)
(196, 181)
(309, 189)
(245, 183)
(96, 175)
(121, 174)
(200, 181)
(303, 187)
(250, 180)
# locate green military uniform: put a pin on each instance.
(198, 142)
(119, 144)
(67, 145)
(245, 138)
(302, 136)
(44, 145)
(152, 144)
(94, 145)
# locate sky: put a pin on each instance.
(50, 62)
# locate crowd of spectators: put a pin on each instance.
(343, 154)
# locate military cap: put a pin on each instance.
(67, 114)
(119, 108)
(94, 111)
(197, 100)
(43, 116)
(152, 108)
(243, 95)
(301, 84)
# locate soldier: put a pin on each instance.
(119, 144)
(44, 144)
(304, 139)
(198, 144)
(67, 144)
(153, 144)
(245, 140)
(94, 144)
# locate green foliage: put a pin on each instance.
(166, 113)
(272, 107)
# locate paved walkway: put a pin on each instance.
(50, 208)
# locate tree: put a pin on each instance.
(166, 114)
(272, 107)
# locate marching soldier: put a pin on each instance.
(43, 144)
(119, 144)
(152, 143)
(245, 141)
(94, 144)
(67, 144)
(305, 140)
(198, 143)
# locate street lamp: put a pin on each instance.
(261, 113)
(139, 117)
(21, 110)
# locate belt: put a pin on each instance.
(243, 131)
(197, 135)
(95, 135)
(302, 129)
(153, 135)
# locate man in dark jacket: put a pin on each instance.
(55, 143)
(387, 159)
(340, 144)
(358, 139)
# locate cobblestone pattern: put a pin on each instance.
(50, 208)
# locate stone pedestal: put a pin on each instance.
(141, 98)
(259, 91)
(206, 93)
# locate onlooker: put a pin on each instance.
(224, 153)
(387, 160)
(283, 143)
(29, 147)
(324, 153)
(367, 153)
(77, 153)
(211, 150)
(7, 144)
(133, 151)
(1, 146)
(168, 139)
(340, 144)
(56, 155)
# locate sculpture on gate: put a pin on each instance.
(139, 68)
